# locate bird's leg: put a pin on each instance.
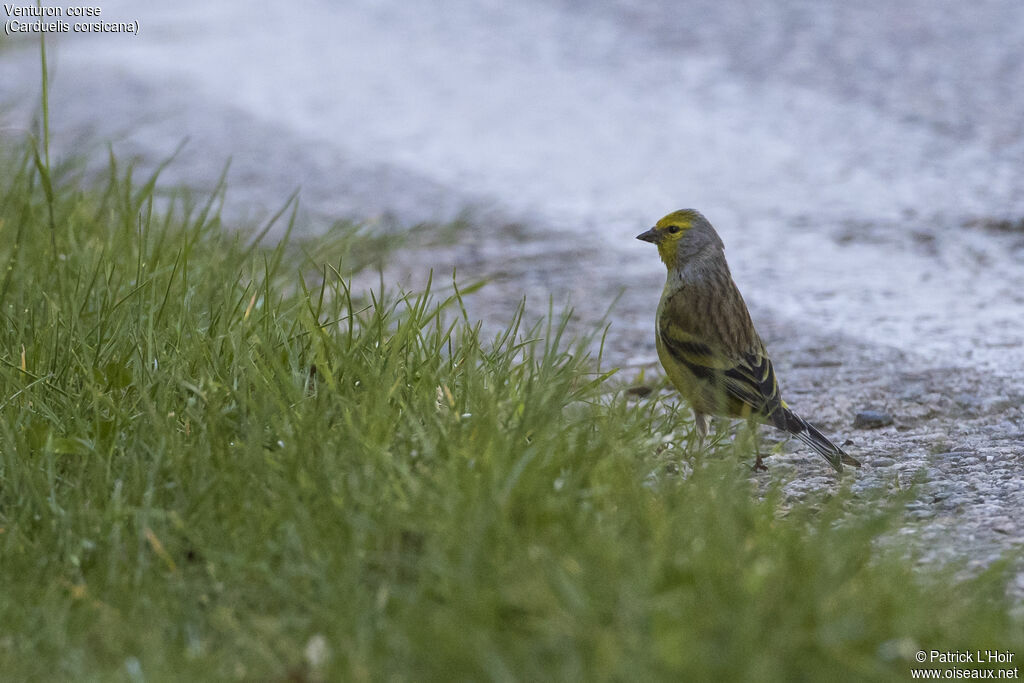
(700, 421)
(759, 465)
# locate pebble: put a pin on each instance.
(871, 419)
(639, 391)
(955, 502)
(1003, 525)
(998, 405)
(952, 454)
(965, 400)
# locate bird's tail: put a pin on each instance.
(806, 432)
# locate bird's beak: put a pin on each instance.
(649, 236)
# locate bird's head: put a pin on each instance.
(684, 232)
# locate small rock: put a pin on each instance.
(1003, 525)
(965, 400)
(638, 391)
(871, 419)
(955, 502)
(317, 651)
(998, 405)
(919, 510)
(882, 462)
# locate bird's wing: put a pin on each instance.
(739, 381)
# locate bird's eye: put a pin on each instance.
(674, 229)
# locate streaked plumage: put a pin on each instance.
(707, 342)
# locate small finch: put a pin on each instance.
(708, 344)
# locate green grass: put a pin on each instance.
(218, 462)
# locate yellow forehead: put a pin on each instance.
(684, 219)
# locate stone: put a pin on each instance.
(871, 419)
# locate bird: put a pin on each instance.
(707, 343)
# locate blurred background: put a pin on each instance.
(864, 162)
